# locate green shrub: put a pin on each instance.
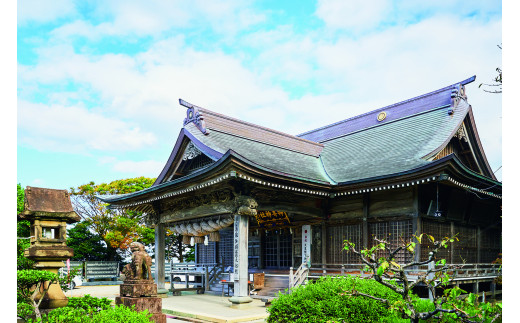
(65, 315)
(24, 310)
(89, 303)
(321, 302)
(28, 278)
(121, 314)
(118, 314)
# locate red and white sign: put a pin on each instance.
(306, 243)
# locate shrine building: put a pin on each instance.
(258, 199)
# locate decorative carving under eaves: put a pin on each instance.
(151, 219)
(201, 227)
(245, 205)
(278, 196)
(191, 151)
(199, 200)
(461, 134)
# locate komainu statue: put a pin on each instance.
(141, 265)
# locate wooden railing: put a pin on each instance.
(299, 277)
(213, 274)
(464, 271)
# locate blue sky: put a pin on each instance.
(98, 82)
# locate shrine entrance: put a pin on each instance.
(276, 239)
(277, 250)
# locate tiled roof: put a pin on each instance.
(269, 156)
(395, 111)
(390, 148)
(354, 149)
(239, 128)
(357, 149)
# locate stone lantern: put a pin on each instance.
(49, 211)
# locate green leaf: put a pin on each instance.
(441, 262)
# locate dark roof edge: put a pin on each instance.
(225, 157)
(444, 160)
(157, 187)
(464, 82)
(230, 153)
(481, 152)
(213, 154)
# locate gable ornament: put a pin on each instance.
(193, 115)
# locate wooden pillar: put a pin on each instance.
(475, 287)
(416, 222)
(452, 245)
(240, 261)
(323, 243)
(261, 235)
(366, 201)
(479, 245)
(160, 236)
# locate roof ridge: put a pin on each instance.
(464, 82)
(389, 122)
(204, 110)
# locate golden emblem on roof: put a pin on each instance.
(381, 116)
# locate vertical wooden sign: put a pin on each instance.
(236, 245)
(306, 243)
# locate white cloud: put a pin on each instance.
(352, 14)
(43, 11)
(76, 129)
(352, 76)
(38, 182)
(147, 168)
(153, 17)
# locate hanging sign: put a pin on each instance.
(306, 244)
(269, 219)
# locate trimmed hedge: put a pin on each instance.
(321, 302)
(88, 309)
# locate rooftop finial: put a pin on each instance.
(193, 115)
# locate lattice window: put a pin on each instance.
(271, 251)
(490, 245)
(438, 230)
(336, 236)
(278, 250)
(225, 247)
(285, 246)
(190, 165)
(316, 244)
(394, 232)
(465, 250)
(206, 254)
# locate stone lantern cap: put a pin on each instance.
(48, 203)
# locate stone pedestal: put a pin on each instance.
(240, 302)
(142, 294)
(50, 258)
